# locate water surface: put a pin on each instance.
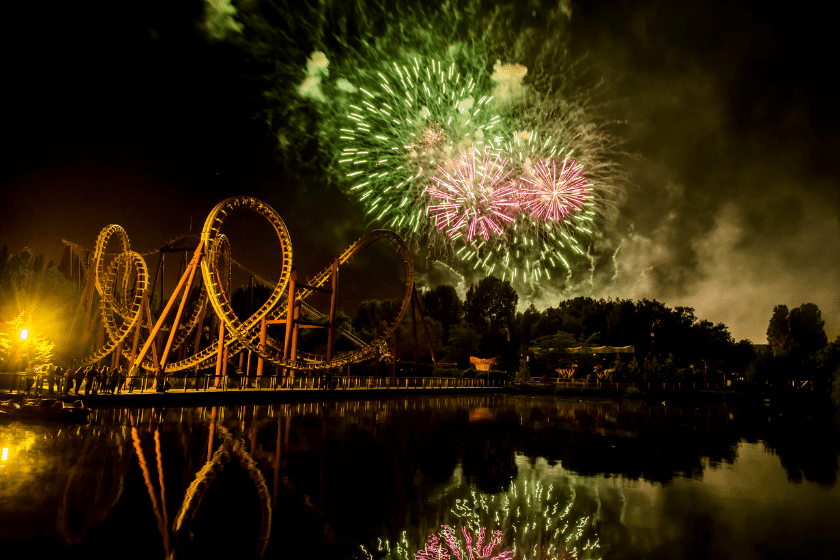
(508, 476)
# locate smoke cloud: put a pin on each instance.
(218, 19)
(508, 78)
(731, 208)
(316, 69)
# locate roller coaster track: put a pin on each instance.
(83, 254)
(121, 280)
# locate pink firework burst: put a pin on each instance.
(551, 192)
(477, 195)
(471, 547)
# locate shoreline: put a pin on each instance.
(191, 397)
(250, 396)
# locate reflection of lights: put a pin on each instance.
(24, 334)
(481, 413)
(5, 454)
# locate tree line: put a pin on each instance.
(670, 345)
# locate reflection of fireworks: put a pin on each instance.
(476, 194)
(400, 132)
(471, 546)
(526, 522)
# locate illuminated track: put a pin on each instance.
(114, 295)
(121, 280)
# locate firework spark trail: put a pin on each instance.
(615, 263)
(399, 133)
(382, 125)
(409, 127)
(476, 193)
(550, 195)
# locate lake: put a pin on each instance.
(424, 477)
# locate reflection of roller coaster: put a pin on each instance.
(115, 306)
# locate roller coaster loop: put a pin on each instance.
(119, 283)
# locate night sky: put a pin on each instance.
(128, 113)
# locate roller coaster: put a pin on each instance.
(115, 309)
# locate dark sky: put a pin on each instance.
(126, 113)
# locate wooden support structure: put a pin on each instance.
(260, 360)
(153, 343)
(199, 331)
(290, 315)
(220, 353)
(144, 306)
(295, 330)
(183, 267)
(163, 315)
(225, 362)
(191, 270)
(162, 276)
(247, 379)
(333, 296)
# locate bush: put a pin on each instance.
(621, 372)
(633, 393)
(545, 379)
(523, 377)
(634, 371)
(447, 372)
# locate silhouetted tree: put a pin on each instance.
(464, 341)
(778, 331)
(373, 317)
(807, 330)
(490, 306)
(525, 323)
(551, 351)
(443, 304)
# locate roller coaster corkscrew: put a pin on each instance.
(115, 304)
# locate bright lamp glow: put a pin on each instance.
(24, 334)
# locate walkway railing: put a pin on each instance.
(16, 383)
(584, 383)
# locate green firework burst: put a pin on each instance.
(399, 133)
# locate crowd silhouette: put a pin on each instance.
(87, 380)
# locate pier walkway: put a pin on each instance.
(211, 389)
